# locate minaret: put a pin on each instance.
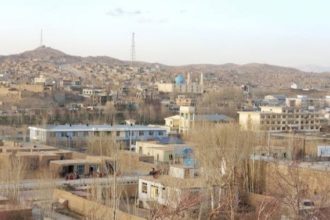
(188, 78)
(201, 82)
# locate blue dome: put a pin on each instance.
(179, 79)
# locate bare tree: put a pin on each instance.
(222, 152)
(11, 174)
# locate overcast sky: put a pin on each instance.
(282, 32)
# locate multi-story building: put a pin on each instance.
(182, 100)
(79, 134)
(305, 102)
(279, 119)
(186, 119)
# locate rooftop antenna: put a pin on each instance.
(133, 49)
(41, 38)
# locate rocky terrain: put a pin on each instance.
(97, 70)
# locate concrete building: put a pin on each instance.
(88, 92)
(274, 99)
(305, 102)
(182, 100)
(32, 158)
(172, 153)
(79, 134)
(71, 84)
(40, 80)
(173, 123)
(186, 119)
(168, 190)
(279, 119)
(90, 166)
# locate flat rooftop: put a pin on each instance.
(316, 165)
(304, 135)
(87, 160)
(175, 182)
(89, 127)
(26, 145)
(73, 161)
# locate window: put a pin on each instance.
(154, 191)
(186, 173)
(144, 188)
(141, 133)
(63, 134)
(118, 133)
(108, 133)
(163, 192)
(80, 169)
(160, 133)
(151, 133)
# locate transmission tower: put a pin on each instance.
(41, 38)
(133, 49)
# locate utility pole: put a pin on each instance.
(115, 182)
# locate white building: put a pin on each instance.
(172, 153)
(40, 80)
(78, 135)
(170, 190)
(88, 92)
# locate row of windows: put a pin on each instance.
(108, 133)
(154, 189)
(289, 122)
(288, 128)
(289, 116)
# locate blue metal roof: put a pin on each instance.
(105, 127)
(169, 140)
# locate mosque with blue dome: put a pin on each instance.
(179, 80)
(183, 85)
